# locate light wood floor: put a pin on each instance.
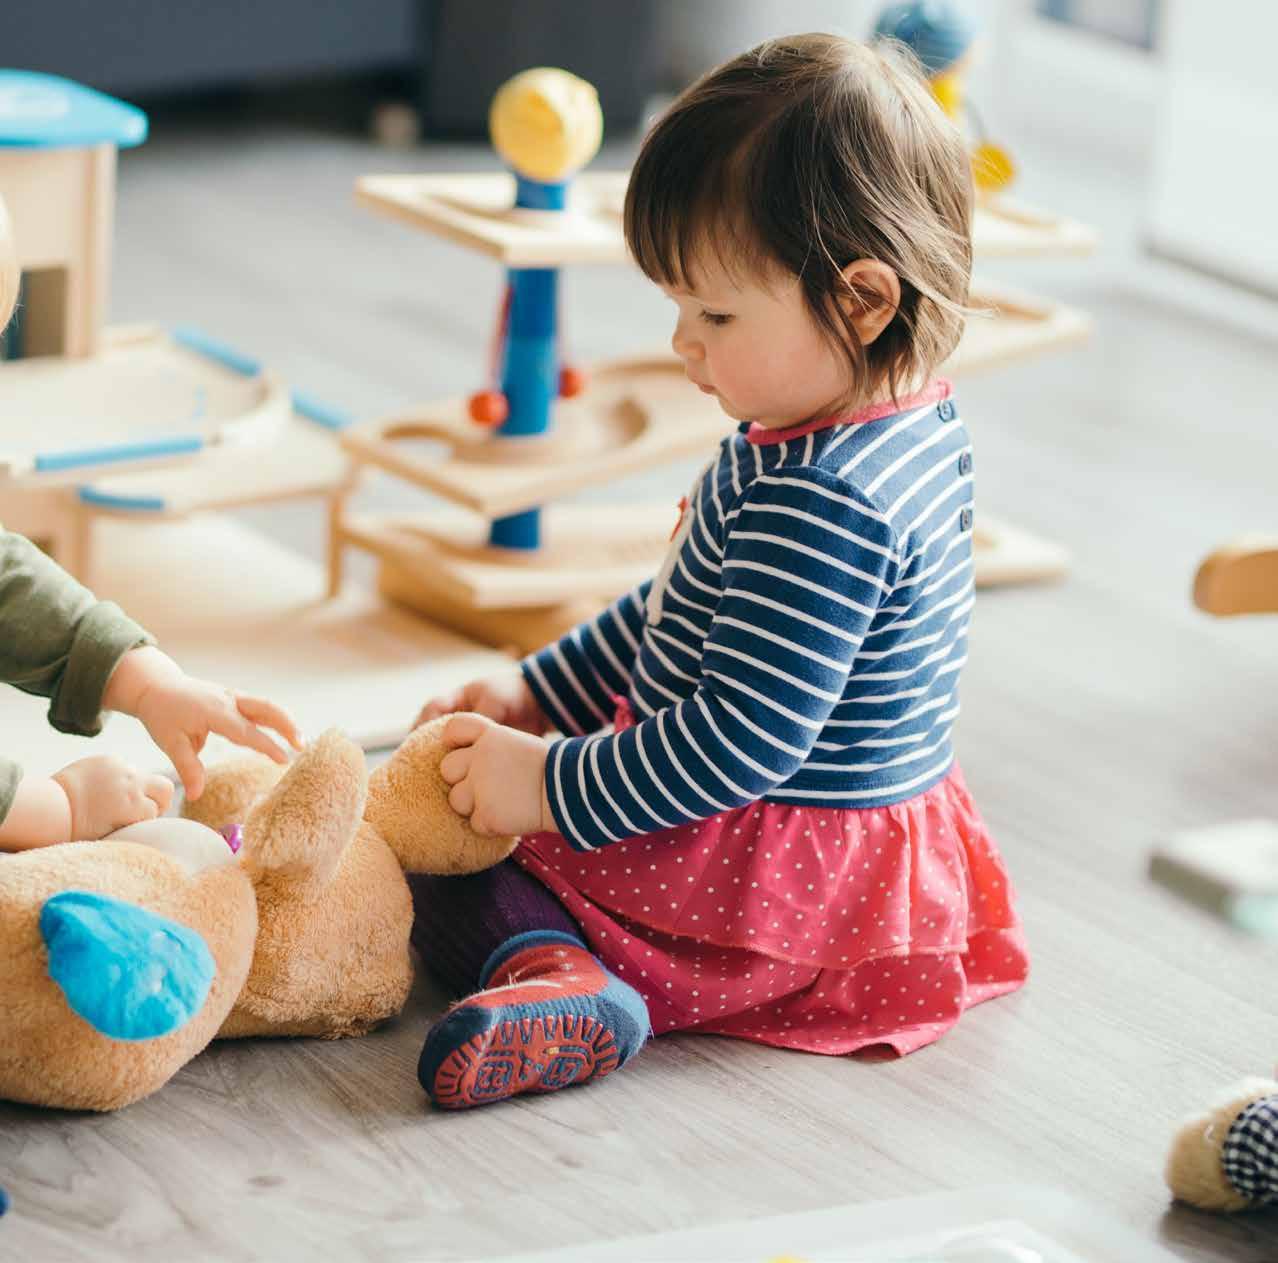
(1098, 716)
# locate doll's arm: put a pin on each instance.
(575, 679)
(33, 812)
(806, 564)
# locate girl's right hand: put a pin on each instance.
(505, 698)
(107, 794)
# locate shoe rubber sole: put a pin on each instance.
(531, 1054)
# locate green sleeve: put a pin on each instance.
(10, 776)
(57, 640)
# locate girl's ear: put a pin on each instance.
(871, 297)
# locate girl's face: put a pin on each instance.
(757, 349)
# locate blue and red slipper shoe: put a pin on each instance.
(547, 1016)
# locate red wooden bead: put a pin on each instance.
(489, 407)
(572, 381)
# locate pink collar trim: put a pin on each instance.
(938, 390)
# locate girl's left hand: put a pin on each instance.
(498, 776)
(180, 712)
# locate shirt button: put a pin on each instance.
(945, 410)
(965, 520)
(965, 464)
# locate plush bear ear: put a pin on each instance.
(231, 788)
(408, 806)
(296, 834)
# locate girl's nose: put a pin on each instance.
(685, 347)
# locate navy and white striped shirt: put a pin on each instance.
(802, 644)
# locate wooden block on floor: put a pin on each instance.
(1241, 578)
(234, 607)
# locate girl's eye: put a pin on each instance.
(715, 318)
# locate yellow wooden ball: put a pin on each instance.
(546, 123)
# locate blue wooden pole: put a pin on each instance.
(530, 375)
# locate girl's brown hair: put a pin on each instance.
(806, 154)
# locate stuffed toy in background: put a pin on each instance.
(1227, 1158)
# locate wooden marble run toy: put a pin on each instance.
(86, 411)
(944, 38)
(543, 430)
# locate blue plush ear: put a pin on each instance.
(130, 974)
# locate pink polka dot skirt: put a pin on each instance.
(827, 930)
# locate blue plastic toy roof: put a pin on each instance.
(40, 111)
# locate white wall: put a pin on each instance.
(1214, 195)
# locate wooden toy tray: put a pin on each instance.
(149, 397)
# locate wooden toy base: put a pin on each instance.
(586, 552)
(519, 603)
(513, 632)
(1241, 578)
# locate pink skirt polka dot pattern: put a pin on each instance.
(816, 928)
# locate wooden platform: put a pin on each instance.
(635, 414)
(1009, 325)
(476, 211)
(146, 398)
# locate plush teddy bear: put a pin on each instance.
(124, 958)
(1227, 1158)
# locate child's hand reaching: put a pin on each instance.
(106, 794)
(498, 777)
(505, 698)
(180, 712)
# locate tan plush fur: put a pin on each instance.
(48, 1054)
(238, 784)
(1194, 1172)
(309, 929)
(408, 791)
(334, 911)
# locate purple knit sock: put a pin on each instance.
(459, 922)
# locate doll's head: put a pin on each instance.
(8, 267)
(808, 206)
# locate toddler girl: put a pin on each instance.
(58, 641)
(755, 825)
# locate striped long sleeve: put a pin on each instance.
(777, 615)
(576, 679)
